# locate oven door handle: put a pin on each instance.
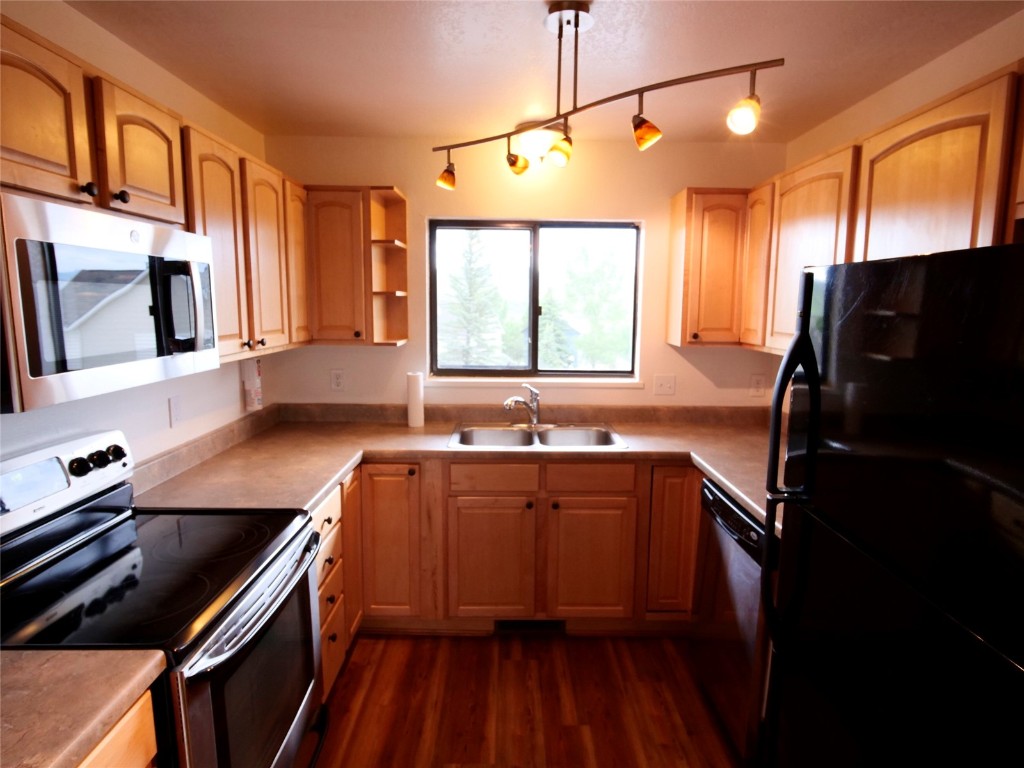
(266, 595)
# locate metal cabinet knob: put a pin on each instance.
(123, 196)
(90, 188)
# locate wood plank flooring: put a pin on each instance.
(545, 700)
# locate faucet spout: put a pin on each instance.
(533, 406)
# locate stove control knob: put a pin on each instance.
(116, 452)
(99, 459)
(79, 467)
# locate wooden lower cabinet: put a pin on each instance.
(675, 522)
(131, 743)
(491, 555)
(391, 539)
(352, 536)
(541, 539)
(591, 556)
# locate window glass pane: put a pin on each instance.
(483, 298)
(587, 289)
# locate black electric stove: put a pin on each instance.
(229, 596)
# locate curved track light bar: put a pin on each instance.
(559, 118)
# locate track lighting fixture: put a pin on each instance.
(744, 117)
(645, 133)
(517, 163)
(561, 150)
(447, 178)
(575, 17)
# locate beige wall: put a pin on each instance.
(606, 180)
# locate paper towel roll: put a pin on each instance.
(415, 383)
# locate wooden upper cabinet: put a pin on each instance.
(214, 192)
(139, 151)
(811, 227)
(934, 182)
(707, 251)
(263, 212)
(757, 245)
(338, 223)
(44, 121)
(295, 247)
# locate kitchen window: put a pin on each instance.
(514, 298)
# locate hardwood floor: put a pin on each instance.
(542, 700)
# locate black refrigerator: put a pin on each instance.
(895, 595)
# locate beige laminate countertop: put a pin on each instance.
(58, 705)
(296, 464)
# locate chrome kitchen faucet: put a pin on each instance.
(533, 406)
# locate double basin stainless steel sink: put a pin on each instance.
(536, 436)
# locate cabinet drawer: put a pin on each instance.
(333, 643)
(329, 557)
(131, 742)
(494, 477)
(330, 593)
(328, 513)
(591, 477)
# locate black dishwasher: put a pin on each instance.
(729, 644)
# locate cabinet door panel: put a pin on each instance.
(263, 200)
(675, 522)
(139, 149)
(44, 130)
(214, 192)
(352, 532)
(811, 228)
(716, 254)
(298, 284)
(932, 183)
(756, 255)
(491, 545)
(591, 556)
(337, 229)
(391, 540)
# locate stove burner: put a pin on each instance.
(208, 539)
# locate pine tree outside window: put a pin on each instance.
(533, 298)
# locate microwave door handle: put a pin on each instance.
(165, 270)
(198, 308)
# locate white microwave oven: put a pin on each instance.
(95, 303)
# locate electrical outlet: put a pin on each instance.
(757, 385)
(338, 380)
(664, 384)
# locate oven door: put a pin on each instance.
(247, 696)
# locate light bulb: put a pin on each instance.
(560, 153)
(743, 118)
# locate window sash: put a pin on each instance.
(441, 365)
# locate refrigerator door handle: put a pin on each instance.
(800, 355)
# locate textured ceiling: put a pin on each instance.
(460, 69)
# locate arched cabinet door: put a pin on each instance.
(139, 151)
(263, 214)
(932, 182)
(44, 125)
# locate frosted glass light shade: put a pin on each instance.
(559, 154)
(743, 118)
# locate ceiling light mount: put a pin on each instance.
(573, 17)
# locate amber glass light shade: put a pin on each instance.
(743, 118)
(560, 153)
(645, 133)
(517, 163)
(447, 178)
